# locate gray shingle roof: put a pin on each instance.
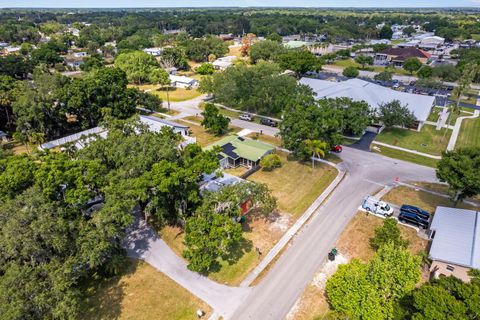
(371, 93)
(457, 237)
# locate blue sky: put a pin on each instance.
(241, 3)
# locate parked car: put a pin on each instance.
(374, 205)
(413, 219)
(412, 209)
(246, 117)
(337, 148)
(268, 122)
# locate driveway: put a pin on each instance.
(144, 244)
(276, 294)
(364, 142)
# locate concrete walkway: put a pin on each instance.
(294, 229)
(407, 150)
(144, 244)
(458, 125)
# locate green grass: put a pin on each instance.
(405, 156)
(469, 133)
(428, 140)
(433, 116)
(232, 273)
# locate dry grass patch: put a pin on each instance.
(203, 137)
(296, 185)
(424, 200)
(274, 141)
(140, 292)
(173, 236)
(354, 242)
(238, 171)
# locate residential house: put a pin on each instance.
(183, 82)
(81, 139)
(153, 51)
(74, 31)
(223, 62)
(373, 94)
(73, 62)
(3, 136)
(80, 54)
(455, 248)
(10, 50)
(239, 151)
(396, 56)
(381, 41)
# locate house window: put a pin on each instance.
(450, 268)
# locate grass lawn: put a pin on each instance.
(203, 137)
(426, 201)
(405, 156)
(469, 133)
(434, 115)
(235, 51)
(175, 94)
(296, 185)
(257, 232)
(428, 140)
(140, 292)
(274, 141)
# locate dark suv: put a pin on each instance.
(413, 219)
(422, 213)
(268, 122)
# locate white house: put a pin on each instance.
(223, 63)
(373, 94)
(153, 51)
(80, 54)
(81, 139)
(183, 82)
(381, 41)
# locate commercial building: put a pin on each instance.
(373, 94)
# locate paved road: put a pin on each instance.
(365, 142)
(367, 172)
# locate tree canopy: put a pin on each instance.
(459, 168)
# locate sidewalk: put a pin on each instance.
(457, 127)
(294, 229)
(407, 150)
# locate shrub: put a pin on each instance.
(270, 162)
(350, 72)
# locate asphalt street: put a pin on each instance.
(367, 172)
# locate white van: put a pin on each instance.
(374, 205)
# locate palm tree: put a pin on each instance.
(463, 85)
(317, 148)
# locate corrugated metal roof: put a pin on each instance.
(457, 236)
(371, 93)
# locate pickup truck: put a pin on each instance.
(374, 205)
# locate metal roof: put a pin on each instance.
(234, 147)
(457, 237)
(371, 93)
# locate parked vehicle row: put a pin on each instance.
(408, 214)
(265, 121)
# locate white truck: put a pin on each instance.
(374, 205)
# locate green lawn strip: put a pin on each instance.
(428, 140)
(469, 134)
(406, 156)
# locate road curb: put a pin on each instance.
(285, 239)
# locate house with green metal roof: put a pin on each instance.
(239, 151)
